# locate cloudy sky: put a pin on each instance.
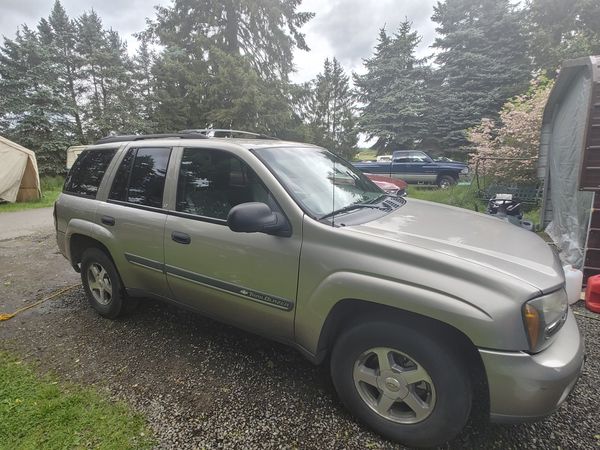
(346, 29)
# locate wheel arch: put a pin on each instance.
(349, 311)
(78, 243)
(450, 173)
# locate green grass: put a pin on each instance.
(37, 412)
(366, 155)
(51, 188)
(462, 196)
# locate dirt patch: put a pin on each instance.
(206, 385)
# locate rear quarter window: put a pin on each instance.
(87, 172)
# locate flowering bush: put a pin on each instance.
(507, 151)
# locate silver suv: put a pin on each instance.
(421, 310)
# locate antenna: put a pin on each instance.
(333, 196)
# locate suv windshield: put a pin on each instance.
(319, 181)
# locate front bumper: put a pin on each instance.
(526, 387)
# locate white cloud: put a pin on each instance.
(346, 29)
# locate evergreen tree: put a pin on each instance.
(238, 98)
(110, 101)
(180, 88)
(561, 30)
(330, 111)
(225, 64)
(58, 34)
(392, 91)
(143, 62)
(266, 31)
(482, 58)
(68, 82)
(32, 106)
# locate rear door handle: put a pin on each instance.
(181, 238)
(107, 220)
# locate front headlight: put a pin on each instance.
(543, 317)
(465, 171)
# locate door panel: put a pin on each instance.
(139, 253)
(133, 214)
(248, 279)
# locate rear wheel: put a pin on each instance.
(446, 181)
(102, 283)
(403, 383)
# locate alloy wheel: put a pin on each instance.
(99, 284)
(394, 385)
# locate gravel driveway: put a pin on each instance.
(206, 385)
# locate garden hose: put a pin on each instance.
(55, 294)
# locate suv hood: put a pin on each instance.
(474, 237)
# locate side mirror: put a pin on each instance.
(254, 217)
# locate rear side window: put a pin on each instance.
(118, 191)
(140, 178)
(86, 174)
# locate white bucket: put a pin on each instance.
(574, 280)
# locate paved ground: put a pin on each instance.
(24, 223)
(206, 385)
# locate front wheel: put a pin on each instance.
(401, 382)
(446, 181)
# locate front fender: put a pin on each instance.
(337, 264)
(456, 312)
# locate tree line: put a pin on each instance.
(227, 64)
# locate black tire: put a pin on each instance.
(449, 376)
(113, 305)
(446, 181)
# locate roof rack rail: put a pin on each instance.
(227, 133)
(143, 137)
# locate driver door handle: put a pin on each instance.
(181, 238)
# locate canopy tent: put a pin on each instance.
(19, 177)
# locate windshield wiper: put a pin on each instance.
(380, 198)
(349, 208)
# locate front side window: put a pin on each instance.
(211, 182)
(419, 157)
(318, 180)
(140, 178)
(85, 176)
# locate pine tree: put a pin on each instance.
(238, 98)
(330, 110)
(110, 102)
(266, 31)
(58, 34)
(482, 59)
(180, 84)
(561, 30)
(392, 91)
(143, 62)
(32, 107)
(68, 82)
(225, 64)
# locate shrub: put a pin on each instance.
(507, 150)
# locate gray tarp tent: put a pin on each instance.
(569, 163)
(19, 177)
